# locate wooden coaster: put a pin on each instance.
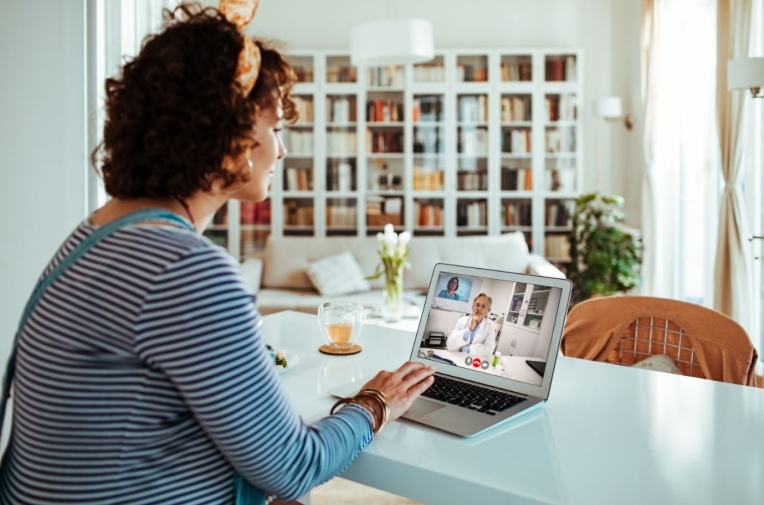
(327, 349)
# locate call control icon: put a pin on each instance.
(484, 364)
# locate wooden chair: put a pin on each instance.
(627, 329)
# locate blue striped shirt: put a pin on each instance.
(142, 377)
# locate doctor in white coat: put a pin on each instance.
(474, 334)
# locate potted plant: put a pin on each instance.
(605, 257)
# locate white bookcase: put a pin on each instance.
(476, 142)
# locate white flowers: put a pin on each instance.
(393, 252)
(391, 239)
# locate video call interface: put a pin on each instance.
(492, 326)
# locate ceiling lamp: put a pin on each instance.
(391, 42)
(746, 73)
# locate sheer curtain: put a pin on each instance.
(680, 202)
(733, 258)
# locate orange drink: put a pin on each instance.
(339, 333)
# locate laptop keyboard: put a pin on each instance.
(470, 396)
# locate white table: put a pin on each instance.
(608, 435)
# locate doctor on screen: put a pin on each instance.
(474, 334)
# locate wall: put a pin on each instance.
(42, 143)
(607, 30)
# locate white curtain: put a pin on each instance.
(733, 258)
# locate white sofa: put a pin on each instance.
(278, 279)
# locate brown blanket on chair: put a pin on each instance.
(722, 346)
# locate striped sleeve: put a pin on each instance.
(199, 327)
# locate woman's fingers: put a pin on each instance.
(407, 368)
(417, 376)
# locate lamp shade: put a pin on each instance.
(609, 107)
(391, 42)
(744, 73)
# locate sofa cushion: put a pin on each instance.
(337, 275)
(286, 258)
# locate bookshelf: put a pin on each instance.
(474, 142)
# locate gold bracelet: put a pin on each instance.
(382, 399)
(352, 401)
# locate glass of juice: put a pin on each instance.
(340, 323)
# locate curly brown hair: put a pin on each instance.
(176, 112)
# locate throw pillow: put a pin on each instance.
(659, 363)
(337, 275)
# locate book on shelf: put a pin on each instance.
(304, 73)
(471, 73)
(341, 73)
(429, 73)
(341, 109)
(472, 180)
(561, 179)
(341, 143)
(429, 139)
(473, 108)
(560, 140)
(517, 71)
(562, 107)
(516, 213)
(298, 179)
(561, 68)
(473, 141)
(516, 141)
(557, 247)
(427, 108)
(341, 176)
(428, 214)
(516, 179)
(255, 212)
(383, 210)
(304, 106)
(298, 214)
(515, 108)
(471, 214)
(298, 142)
(340, 215)
(390, 77)
(389, 141)
(384, 111)
(558, 214)
(428, 180)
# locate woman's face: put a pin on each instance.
(453, 284)
(266, 149)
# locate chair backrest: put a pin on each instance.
(627, 329)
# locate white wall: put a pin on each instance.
(42, 143)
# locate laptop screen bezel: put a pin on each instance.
(541, 391)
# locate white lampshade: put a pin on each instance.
(745, 73)
(609, 107)
(391, 42)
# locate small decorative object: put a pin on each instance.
(605, 256)
(533, 323)
(393, 252)
(340, 323)
(532, 305)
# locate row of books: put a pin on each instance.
(255, 212)
(472, 181)
(341, 215)
(516, 179)
(427, 108)
(515, 108)
(298, 179)
(557, 247)
(429, 139)
(471, 73)
(516, 213)
(473, 141)
(516, 141)
(560, 140)
(517, 71)
(561, 179)
(429, 73)
(473, 108)
(384, 141)
(428, 180)
(382, 210)
(561, 68)
(341, 73)
(561, 107)
(384, 111)
(558, 214)
(391, 77)
(297, 213)
(341, 109)
(253, 241)
(341, 142)
(298, 142)
(340, 176)
(471, 214)
(303, 73)
(304, 108)
(428, 214)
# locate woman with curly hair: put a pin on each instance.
(140, 373)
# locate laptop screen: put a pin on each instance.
(492, 326)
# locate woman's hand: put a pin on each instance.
(402, 387)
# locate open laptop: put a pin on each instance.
(474, 387)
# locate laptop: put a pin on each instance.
(483, 376)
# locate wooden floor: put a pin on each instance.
(344, 492)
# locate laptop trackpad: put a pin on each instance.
(421, 408)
